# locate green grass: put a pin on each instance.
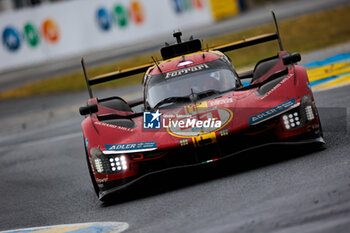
(301, 34)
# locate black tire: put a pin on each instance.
(319, 122)
(94, 184)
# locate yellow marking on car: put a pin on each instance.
(193, 108)
(209, 137)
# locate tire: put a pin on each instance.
(94, 184)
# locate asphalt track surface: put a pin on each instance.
(44, 178)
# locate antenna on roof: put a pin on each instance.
(86, 77)
(203, 55)
(277, 31)
(156, 62)
(178, 35)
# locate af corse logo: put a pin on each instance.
(151, 120)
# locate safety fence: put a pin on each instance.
(67, 29)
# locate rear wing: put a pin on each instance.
(253, 40)
(113, 75)
(182, 48)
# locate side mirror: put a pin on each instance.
(88, 109)
(291, 58)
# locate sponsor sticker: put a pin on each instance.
(277, 86)
(186, 70)
(271, 112)
(132, 146)
(215, 102)
(113, 126)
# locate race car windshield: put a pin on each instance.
(176, 86)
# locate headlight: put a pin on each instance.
(108, 164)
(291, 120)
(98, 165)
(118, 163)
(309, 113)
(299, 116)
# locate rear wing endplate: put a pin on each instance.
(253, 40)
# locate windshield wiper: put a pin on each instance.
(172, 100)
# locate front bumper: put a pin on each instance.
(187, 157)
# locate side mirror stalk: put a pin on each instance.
(291, 58)
(84, 110)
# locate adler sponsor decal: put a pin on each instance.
(271, 112)
(186, 70)
(131, 146)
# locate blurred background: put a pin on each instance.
(42, 41)
(45, 38)
(37, 31)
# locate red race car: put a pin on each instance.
(195, 110)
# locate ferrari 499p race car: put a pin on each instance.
(195, 110)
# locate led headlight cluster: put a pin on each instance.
(291, 120)
(98, 165)
(301, 115)
(108, 163)
(118, 163)
(298, 117)
(309, 113)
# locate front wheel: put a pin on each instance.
(96, 188)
